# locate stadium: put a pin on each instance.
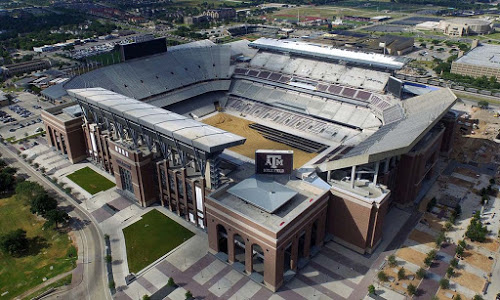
(193, 119)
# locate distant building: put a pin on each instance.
(4, 100)
(465, 26)
(396, 45)
(190, 20)
(483, 60)
(26, 67)
(220, 13)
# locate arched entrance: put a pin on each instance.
(222, 239)
(239, 249)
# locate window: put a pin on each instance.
(163, 178)
(180, 187)
(126, 179)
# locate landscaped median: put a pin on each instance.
(152, 237)
(90, 180)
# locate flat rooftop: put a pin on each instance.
(483, 55)
(303, 195)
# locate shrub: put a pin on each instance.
(454, 263)
(108, 259)
(459, 251)
(411, 289)
(371, 289)
(477, 297)
(382, 276)
(448, 226)
(391, 259)
(457, 297)
(401, 274)
(450, 272)
(171, 281)
(146, 297)
(421, 273)
(111, 285)
(444, 283)
(440, 239)
(188, 295)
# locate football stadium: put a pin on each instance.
(272, 147)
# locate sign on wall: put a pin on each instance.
(273, 161)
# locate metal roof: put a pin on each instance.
(484, 55)
(191, 132)
(262, 192)
(313, 50)
(422, 113)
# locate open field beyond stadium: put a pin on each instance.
(254, 140)
(152, 237)
(90, 180)
(48, 249)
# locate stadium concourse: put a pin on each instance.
(192, 118)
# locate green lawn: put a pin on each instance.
(48, 248)
(90, 180)
(152, 237)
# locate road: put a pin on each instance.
(91, 272)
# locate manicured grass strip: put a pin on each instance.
(90, 180)
(48, 248)
(152, 237)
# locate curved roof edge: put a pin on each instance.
(422, 113)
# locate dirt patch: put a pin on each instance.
(489, 244)
(254, 140)
(400, 285)
(469, 280)
(413, 256)
(460, 182)
(422, 238)
(443, 294)
(478, 260)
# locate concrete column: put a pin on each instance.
(353, 175)
(328, 176)
(375, 176)
(160, 185)
(184, 197)
(320, 231)
(307, 241)
(295, 254)
(386, 164)
(248, 257)
(230, 247)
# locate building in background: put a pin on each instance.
(465, 26)
(483, 60)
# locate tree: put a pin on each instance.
(371, 290)
(477, 297)
(41, 204)
(440, 239)
(444, 283)
(459, 251)
(454, 263)
(401, 274)
(382, 276)
(430, 257)
(56, 217)
(411, 289)
(458, 297)
(108, 259)
(27, 190)
(450, 272)
(188, 295)
(391, 259)
(476, 231)
(15, 242)
(448, 226)
(483, 104)
(431, 204)
(421, 273)
(146, 297)
(171, 281)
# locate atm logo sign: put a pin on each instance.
(273, 162)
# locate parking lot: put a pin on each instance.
(22, 117)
